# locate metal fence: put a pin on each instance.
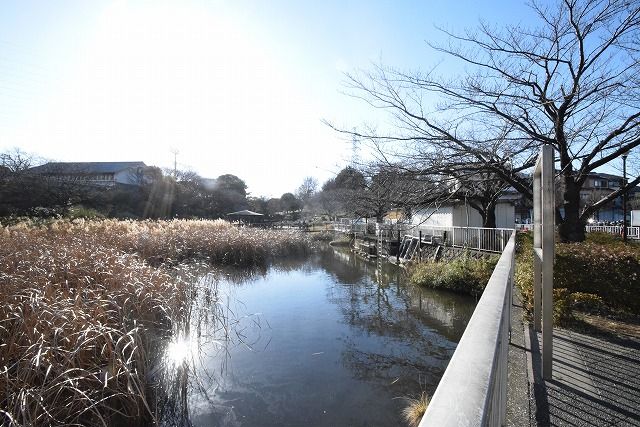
(632, 232)
(473, 389)
(477, 238)
(482, 239)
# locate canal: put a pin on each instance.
(326, 341)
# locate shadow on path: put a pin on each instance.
(595, 381)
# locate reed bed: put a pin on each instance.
(87, 306)
(217, 242)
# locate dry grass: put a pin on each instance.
(415, 410)
(86, 307)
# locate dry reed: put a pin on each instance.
(415, 409)
(86, 306)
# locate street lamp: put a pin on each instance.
(624, 196)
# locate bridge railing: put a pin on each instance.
(473, 389)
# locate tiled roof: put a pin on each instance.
(85, 167)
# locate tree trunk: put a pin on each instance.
(489, 217)
(572, 228)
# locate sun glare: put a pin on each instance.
(151, 77)
(179, 351)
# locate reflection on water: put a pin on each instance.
(328, 340)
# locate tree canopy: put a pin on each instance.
(569, 79)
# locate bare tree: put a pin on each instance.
(16, 160)
(307, 189)
(571, 82)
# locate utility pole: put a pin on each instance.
(175, 162)
(624, 197)
(355, 158)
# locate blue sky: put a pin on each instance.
(236, 87)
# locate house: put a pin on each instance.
(105, 174)
(599, 185)
(596, 186)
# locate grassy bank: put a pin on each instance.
(85, 308)
(463, 275)
(600, 275)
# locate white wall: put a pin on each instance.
(505, 215)
(460, 214)
(433, 217)
(448, 216)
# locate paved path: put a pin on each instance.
(596, 380)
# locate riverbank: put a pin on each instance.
(87, 306)
(465, 274)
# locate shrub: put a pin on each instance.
(588, 303)
(599, 274)
(463, 275)
(80, 211)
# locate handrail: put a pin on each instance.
(473, 389)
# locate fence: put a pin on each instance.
(473, 389)
(632, 232)
(482, 239)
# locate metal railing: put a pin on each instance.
(473, 389)
(477, 238)
(632, 232)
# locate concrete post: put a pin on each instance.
(537, 244)
(548, 241)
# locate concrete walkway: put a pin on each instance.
(596, 380)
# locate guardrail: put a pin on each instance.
(473, 389)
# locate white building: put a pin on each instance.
(457, 214)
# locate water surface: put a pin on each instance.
(328, 341)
